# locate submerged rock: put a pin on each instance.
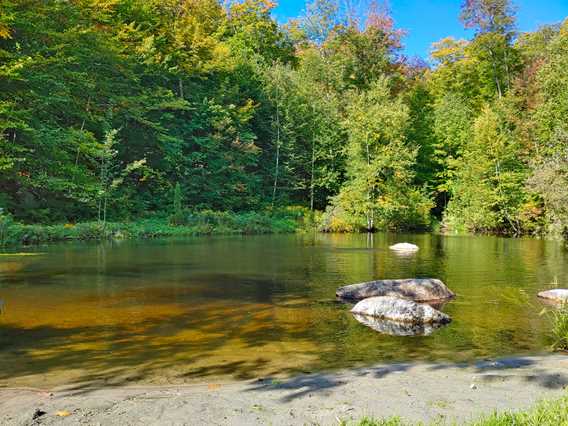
(557, 294)
(400, 310)
(394, 328)
(404, 247)
(416, 289)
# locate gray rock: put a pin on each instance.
(400, 310)
(418, 290)
(394, 328)
(557, 294)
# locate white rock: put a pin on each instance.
(404, 247)
(557, 294)
(400, 310)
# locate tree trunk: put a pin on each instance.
(312, 175)
(277, 161)
(495, 74)
(105, 212)
(370, 214)
(180, 84)
(312, 183)
(507, 73)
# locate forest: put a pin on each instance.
(120, 110)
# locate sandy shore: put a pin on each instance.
(447, 392)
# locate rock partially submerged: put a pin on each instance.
(400, 310)
(557, 295)
(418, 290)
(394, 328)
(404, 247)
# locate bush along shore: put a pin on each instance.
(13, 233)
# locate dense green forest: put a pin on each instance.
(128, 109)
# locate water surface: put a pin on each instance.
(223, 308)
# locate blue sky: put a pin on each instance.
(427, 21)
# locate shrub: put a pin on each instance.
(197, 223)
(560, 328)
(178, 216)
(6, 225)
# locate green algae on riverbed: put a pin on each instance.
(179, 311)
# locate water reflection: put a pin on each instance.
(394, 328)
(168, 312)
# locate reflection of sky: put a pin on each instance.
(427, 21)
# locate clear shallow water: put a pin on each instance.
(177, 311)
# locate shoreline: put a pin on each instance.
(442, 392)
(15, 234)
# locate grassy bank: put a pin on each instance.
(547, 413)
(13, 233)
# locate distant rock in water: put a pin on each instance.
(400, 310)
(416, 289)
(404, 247)
(394, 328)
(557, 294)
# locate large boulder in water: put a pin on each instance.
(416, 289)
(557, 295)
(400, 310)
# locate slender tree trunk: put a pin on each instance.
(277, 161)
(101, 189)
(370, 213)
(312, 184)
(78, 149)
(105, 212)
(495, 74)
(312, 176)
(507, 73)
(180, 84)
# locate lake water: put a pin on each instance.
(223, 308)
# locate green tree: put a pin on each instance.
(112, 173)
(488, 191)
(379, 193)
(494, 22)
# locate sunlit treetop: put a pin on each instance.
(489, 16)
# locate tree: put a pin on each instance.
(380, 163)
(488, 191)
(307, 136)
(549, 181)
(453, 131)
(254, 33)
(112, 173)
(494, 22)
(322, 18)
(489, 16)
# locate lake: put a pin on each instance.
(224, 308)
